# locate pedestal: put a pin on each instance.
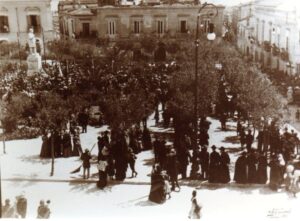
(34, 62)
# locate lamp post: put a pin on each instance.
(211, 36)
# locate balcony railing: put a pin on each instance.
(275, 50)
(284, 54)
(267, 46)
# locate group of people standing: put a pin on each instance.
(66, 142)
(19, 208)
(114, 157)
(16, 210)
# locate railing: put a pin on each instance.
(275, 50)
(267, 46)
(284, 54)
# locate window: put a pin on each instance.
(270, 32)
(136, 27)
(298, 69)
(4, 28)
(287, 40)
(278, 36)
(257, 27)
(85, 29)
(34, 21)
(160, 27)
(263, 31)
(183, 26)
(111, 28)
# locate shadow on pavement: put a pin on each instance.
(34, 159)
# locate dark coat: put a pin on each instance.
(252, 172)
(214, 164)
(203, 138)
(204, 159)
(240, 173)
(242, 137)
(46, 147)
(85, 157)
(83, 118)
(224, 175)
(172, 166)
(146, 140)
(262, 176)
(67, 145)
(249, 140)
(275, 174)
(156, 146)
(157, 191)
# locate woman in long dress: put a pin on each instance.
(195, 212)
(157, 191)
(45, 150)
(77, 149)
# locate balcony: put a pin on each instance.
(275, 50)
(267, 46)
(284, 54)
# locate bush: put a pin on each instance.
(9, 124)
(22, 133)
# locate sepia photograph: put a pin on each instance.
(150, 110)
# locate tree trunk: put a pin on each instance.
(52, 155)
(4, 147)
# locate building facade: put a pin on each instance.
(17, 16)
(269, 33)
(113, 22)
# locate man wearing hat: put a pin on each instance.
(85, 157)
(214, 164)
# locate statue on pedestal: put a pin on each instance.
(34, 60)
(31, 41)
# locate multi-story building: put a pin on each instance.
(269, 33)
(17, 16)
(177, 20)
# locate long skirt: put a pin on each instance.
(102, 179)
(158, 190)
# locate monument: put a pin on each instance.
(34, 60)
